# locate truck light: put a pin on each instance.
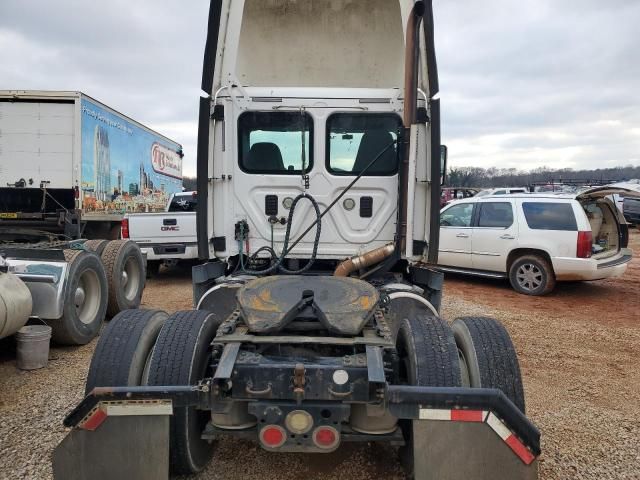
(298, 422)
(124, 228)
(326, 437)
(273, 436)
(583, 248)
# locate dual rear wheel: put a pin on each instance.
(474, 352)
(149, 347)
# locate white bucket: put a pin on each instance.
(33, 346)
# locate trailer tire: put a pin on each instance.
(491, 360)
(181, 357)
(95, 246)
(123, 351)
(428, 358)
(125, 269)
(85, 299)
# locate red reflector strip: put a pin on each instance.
(94, 420)
(452, 415)
(520, 450)
(467, 415)
(510, 439)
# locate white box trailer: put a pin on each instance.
(71, 164)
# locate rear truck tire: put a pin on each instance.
(125, 269)
(181, 357)
(487, 352)
(85, 299)
(95, 246)
(532, 275)
(153, 268)
(123, 351)
(428, 358)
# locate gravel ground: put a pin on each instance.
(579, 353)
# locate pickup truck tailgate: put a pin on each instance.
(157, 228)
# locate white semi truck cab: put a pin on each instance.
(319, 172)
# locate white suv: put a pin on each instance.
(536, 239)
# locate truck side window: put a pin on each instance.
(495, 215)
(549, 216)
(354, 139)
(271, 142)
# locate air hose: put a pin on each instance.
(285, 250)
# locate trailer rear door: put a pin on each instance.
(36, 143)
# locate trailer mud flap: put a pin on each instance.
(464, 450)
(117, 440)
(463, 433)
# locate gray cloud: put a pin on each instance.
(524, 84)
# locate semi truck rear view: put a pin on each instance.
(317, 320)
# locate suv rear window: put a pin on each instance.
(496, 215)
(549, 216)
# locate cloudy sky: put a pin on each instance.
(524, 83)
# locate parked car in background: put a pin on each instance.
(501, 191)
(165, 236)
(536, 239)
(631, 210)
(449, 194)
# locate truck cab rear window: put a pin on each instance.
(274, 142)
(549, 216)
(354, 139)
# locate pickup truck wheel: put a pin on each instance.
(124, 265)
(489, 356)
(85, 299)
(124, 348)
(428, 358)
(181, 357)
(532, 275)
(95, 246)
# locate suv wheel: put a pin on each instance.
(532, 275)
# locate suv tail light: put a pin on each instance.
(124, 228)
(585, 239)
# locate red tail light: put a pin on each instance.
(273, 436)
(326, 437)
(585, 239)
(76, 192)
(124, 228)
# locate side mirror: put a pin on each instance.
(443, 164)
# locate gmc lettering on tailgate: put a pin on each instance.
(170, 229)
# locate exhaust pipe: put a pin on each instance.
(409, 115)
(344, 269)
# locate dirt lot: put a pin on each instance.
(579, 351)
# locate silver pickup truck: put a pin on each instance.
(165, 236)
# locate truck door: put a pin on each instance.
(494, 235)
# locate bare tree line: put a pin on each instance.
(512, 177)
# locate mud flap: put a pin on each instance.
(465, 450)
(116, 441)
